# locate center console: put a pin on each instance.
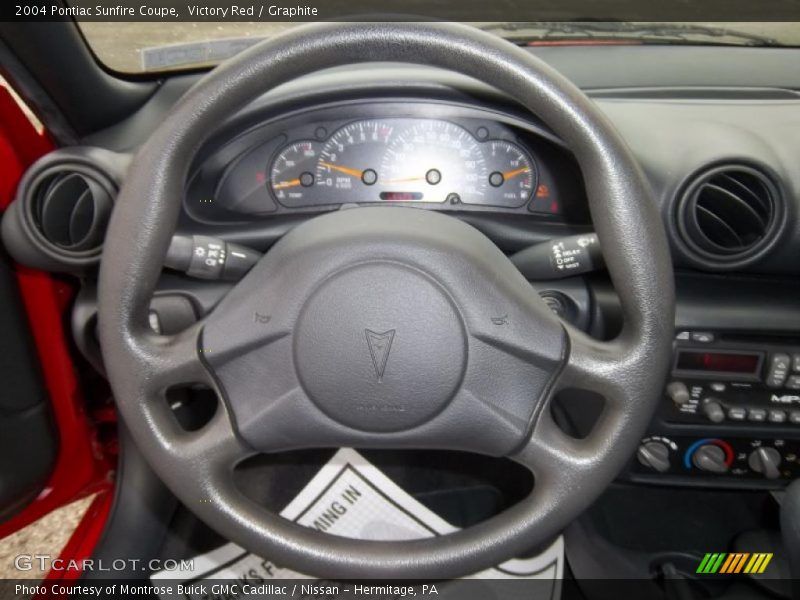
(730, 414)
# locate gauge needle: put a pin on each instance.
(404, 179)
(341, 169)
(286, 184)
(515, 172)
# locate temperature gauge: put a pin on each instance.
(292, 176)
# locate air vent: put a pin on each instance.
(70, 208)
(729, 216)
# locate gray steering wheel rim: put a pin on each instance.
(625, 217)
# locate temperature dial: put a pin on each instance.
(710, 455)
(710, 458)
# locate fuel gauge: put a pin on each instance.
(512, 175)
(292, 174)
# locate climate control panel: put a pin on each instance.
(730, 413)
(769, 461)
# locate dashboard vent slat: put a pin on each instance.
(718, 229)
(720, 200)
(729, 215)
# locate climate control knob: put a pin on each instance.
(710, 458)
(654, 455)
(766, 462)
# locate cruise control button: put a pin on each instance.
(777, 416)
(757, 414)
(794, 417)
(737, 413)
(778, 370)
(793, 383)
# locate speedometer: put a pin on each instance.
(431, 161)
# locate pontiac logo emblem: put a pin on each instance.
(379, 346)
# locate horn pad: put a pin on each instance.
(380, 347)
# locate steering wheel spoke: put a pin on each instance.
(174, 360)
(597, 366)
(611, 369)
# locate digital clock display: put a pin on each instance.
(718, 362)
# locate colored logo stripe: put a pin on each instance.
(758, 563)
(735, 562)
(710, 563)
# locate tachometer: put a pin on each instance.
(512, 174)
(432, 160)
(349, 161)
(292, 174)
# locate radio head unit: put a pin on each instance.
(719, 379)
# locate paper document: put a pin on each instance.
(351, 497)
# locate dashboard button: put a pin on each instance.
(757, 415)
(794, 417)
(713, 410)
(718, 387)
(678, 392)
(777, 416)
(737, 413)
(778, 370)
(793, 382)
(796, 363)
(703, 337)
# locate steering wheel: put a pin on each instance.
(386, 326)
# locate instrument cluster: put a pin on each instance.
(403, 160)
(441, 157)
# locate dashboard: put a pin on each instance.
(440, 156)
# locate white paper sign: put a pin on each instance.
(351, 497)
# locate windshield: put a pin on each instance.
(135, 47)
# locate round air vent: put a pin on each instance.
(69, 207)
(729, 216)
(58, 219)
